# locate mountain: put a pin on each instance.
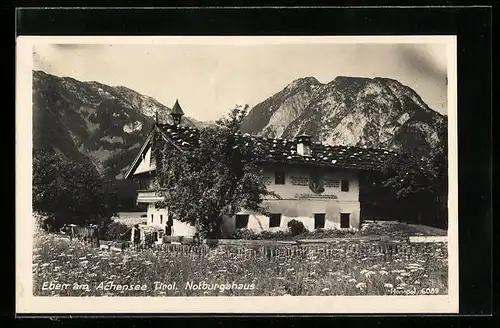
(353, 111)
(93, 121)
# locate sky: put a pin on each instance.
(210, 79)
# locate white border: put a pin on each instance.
(27, 303)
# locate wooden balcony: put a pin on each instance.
(150, 196)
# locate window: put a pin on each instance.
(279, 178)
(142, 183)
(319, 221)
(274, 220)
(344, 220)
(151, 218)
(344, 186)
(161, 218)
(241, 221)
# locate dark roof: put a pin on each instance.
(285, 150)
(177, 108)
(183, 136)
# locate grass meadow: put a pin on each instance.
(336, 269)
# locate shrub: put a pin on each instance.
(116, 231)
(264, 235)
(243, 234)
(328, 233)
(296, 227)
(270, 235)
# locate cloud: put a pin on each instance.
(429, 60)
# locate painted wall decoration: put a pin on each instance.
(332, 183)
(319, 196)
(316, 183)
(299, 180)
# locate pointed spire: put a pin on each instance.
(177, 108)
(177, 112)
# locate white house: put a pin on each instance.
(318, 184)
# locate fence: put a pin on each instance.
(340, 249)
(275, 250)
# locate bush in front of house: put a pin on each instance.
(243, 234)
(296, 227)
(264, 235)
(328, 233)
(115, 231)
(271, 235)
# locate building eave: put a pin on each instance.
(138, 157)
(136, 161)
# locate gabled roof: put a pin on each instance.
(138, 157)
(278, 150)
(184, 137)
(346, 157)
(169, 133)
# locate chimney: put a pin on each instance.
(303, 145)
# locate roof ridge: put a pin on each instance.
(285, 150)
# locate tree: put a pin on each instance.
(216, 178)
(70, 192)
(421, 185)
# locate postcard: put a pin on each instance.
(236, 174)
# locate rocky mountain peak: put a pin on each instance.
(303, 82)
(353, 111)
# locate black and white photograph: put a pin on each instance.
(234, 174)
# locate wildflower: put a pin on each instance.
(425, 276)
(383, 272)
(352, 280)
(325, 289)
(388, 285)
(369, 274)
(361, 285)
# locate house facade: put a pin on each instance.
(318, 184)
